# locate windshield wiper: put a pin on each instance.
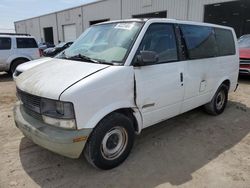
(82, 57)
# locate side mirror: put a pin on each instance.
(146, 58)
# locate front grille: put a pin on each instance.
(33, 114)
(30, 102)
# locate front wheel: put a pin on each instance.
(219, 101)
(110, 142)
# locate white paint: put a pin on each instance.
(159, 86)
(51, 78)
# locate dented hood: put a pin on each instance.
(50, 79)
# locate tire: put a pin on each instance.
(14, 65)
(110, 142)
(219, 101)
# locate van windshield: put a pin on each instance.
(105, 43)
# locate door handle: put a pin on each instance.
(181, 78)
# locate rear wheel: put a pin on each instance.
(15, 63)
(110, 142)
(219, 101)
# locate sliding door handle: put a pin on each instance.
(181, 77)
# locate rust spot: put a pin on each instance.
(80, 139)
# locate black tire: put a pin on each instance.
(95, 147)
(14, 65)
(219, 101)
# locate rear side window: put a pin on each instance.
(26, 43)
(200, 41)
(5, 43)
(225, 42)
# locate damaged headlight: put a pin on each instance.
(58, 113)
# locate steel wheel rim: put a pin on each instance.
(114, 143)
(220, 100)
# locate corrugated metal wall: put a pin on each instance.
(33, 27)
(20, 27)
(196, 8)
(68, 17)
(110, 9)
(175, 8)
(113, 10)
(49, 20)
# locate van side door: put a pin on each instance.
(202, 67)
(159, 85)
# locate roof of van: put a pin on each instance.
(15, 35)
(167, 20)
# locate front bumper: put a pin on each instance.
(69, 143)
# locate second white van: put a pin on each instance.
(120, 77)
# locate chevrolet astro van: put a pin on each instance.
(120, 77)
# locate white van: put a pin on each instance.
(120, 77)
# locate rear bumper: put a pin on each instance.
(244, 66)
(69, 143)
(244, 71)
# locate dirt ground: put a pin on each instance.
(191, 150)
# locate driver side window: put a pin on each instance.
(160, 38)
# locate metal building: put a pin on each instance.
(67, 25)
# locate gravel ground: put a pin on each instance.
(191, 150)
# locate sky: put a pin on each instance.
(14, 10)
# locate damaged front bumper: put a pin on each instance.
(69, 143)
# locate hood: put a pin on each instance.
(245, 53)
(25, 66)
(52, 78)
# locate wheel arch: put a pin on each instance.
(131, 113)
(225, 81)
(18, 58)
(13, 58)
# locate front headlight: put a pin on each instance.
(58, 113)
